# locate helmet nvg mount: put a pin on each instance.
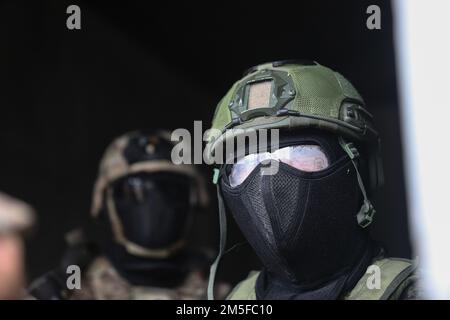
(296, 95)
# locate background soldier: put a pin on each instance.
(15, 217)
(307, 221)
(145, 202)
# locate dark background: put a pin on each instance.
(65, 94)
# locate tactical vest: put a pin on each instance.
(394, 278)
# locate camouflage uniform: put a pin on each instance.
(103, 282)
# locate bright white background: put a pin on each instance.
(422, 35)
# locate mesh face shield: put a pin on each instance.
(153, 208)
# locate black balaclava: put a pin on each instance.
(154, 210)
(303, 225)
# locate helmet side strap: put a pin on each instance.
(367, 211)
(222, 243)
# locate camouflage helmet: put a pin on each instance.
(136, 152)
(15, 215)
(293, 95)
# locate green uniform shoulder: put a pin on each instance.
(396, 275)
(393, 273)
(245, 290)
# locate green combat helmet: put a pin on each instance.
(294, 95)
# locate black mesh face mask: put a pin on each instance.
(153, 208)
(302, 225)
(154, 213)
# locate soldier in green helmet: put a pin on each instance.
(307, 220)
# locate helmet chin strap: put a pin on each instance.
(367, 211)
(223, 236)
